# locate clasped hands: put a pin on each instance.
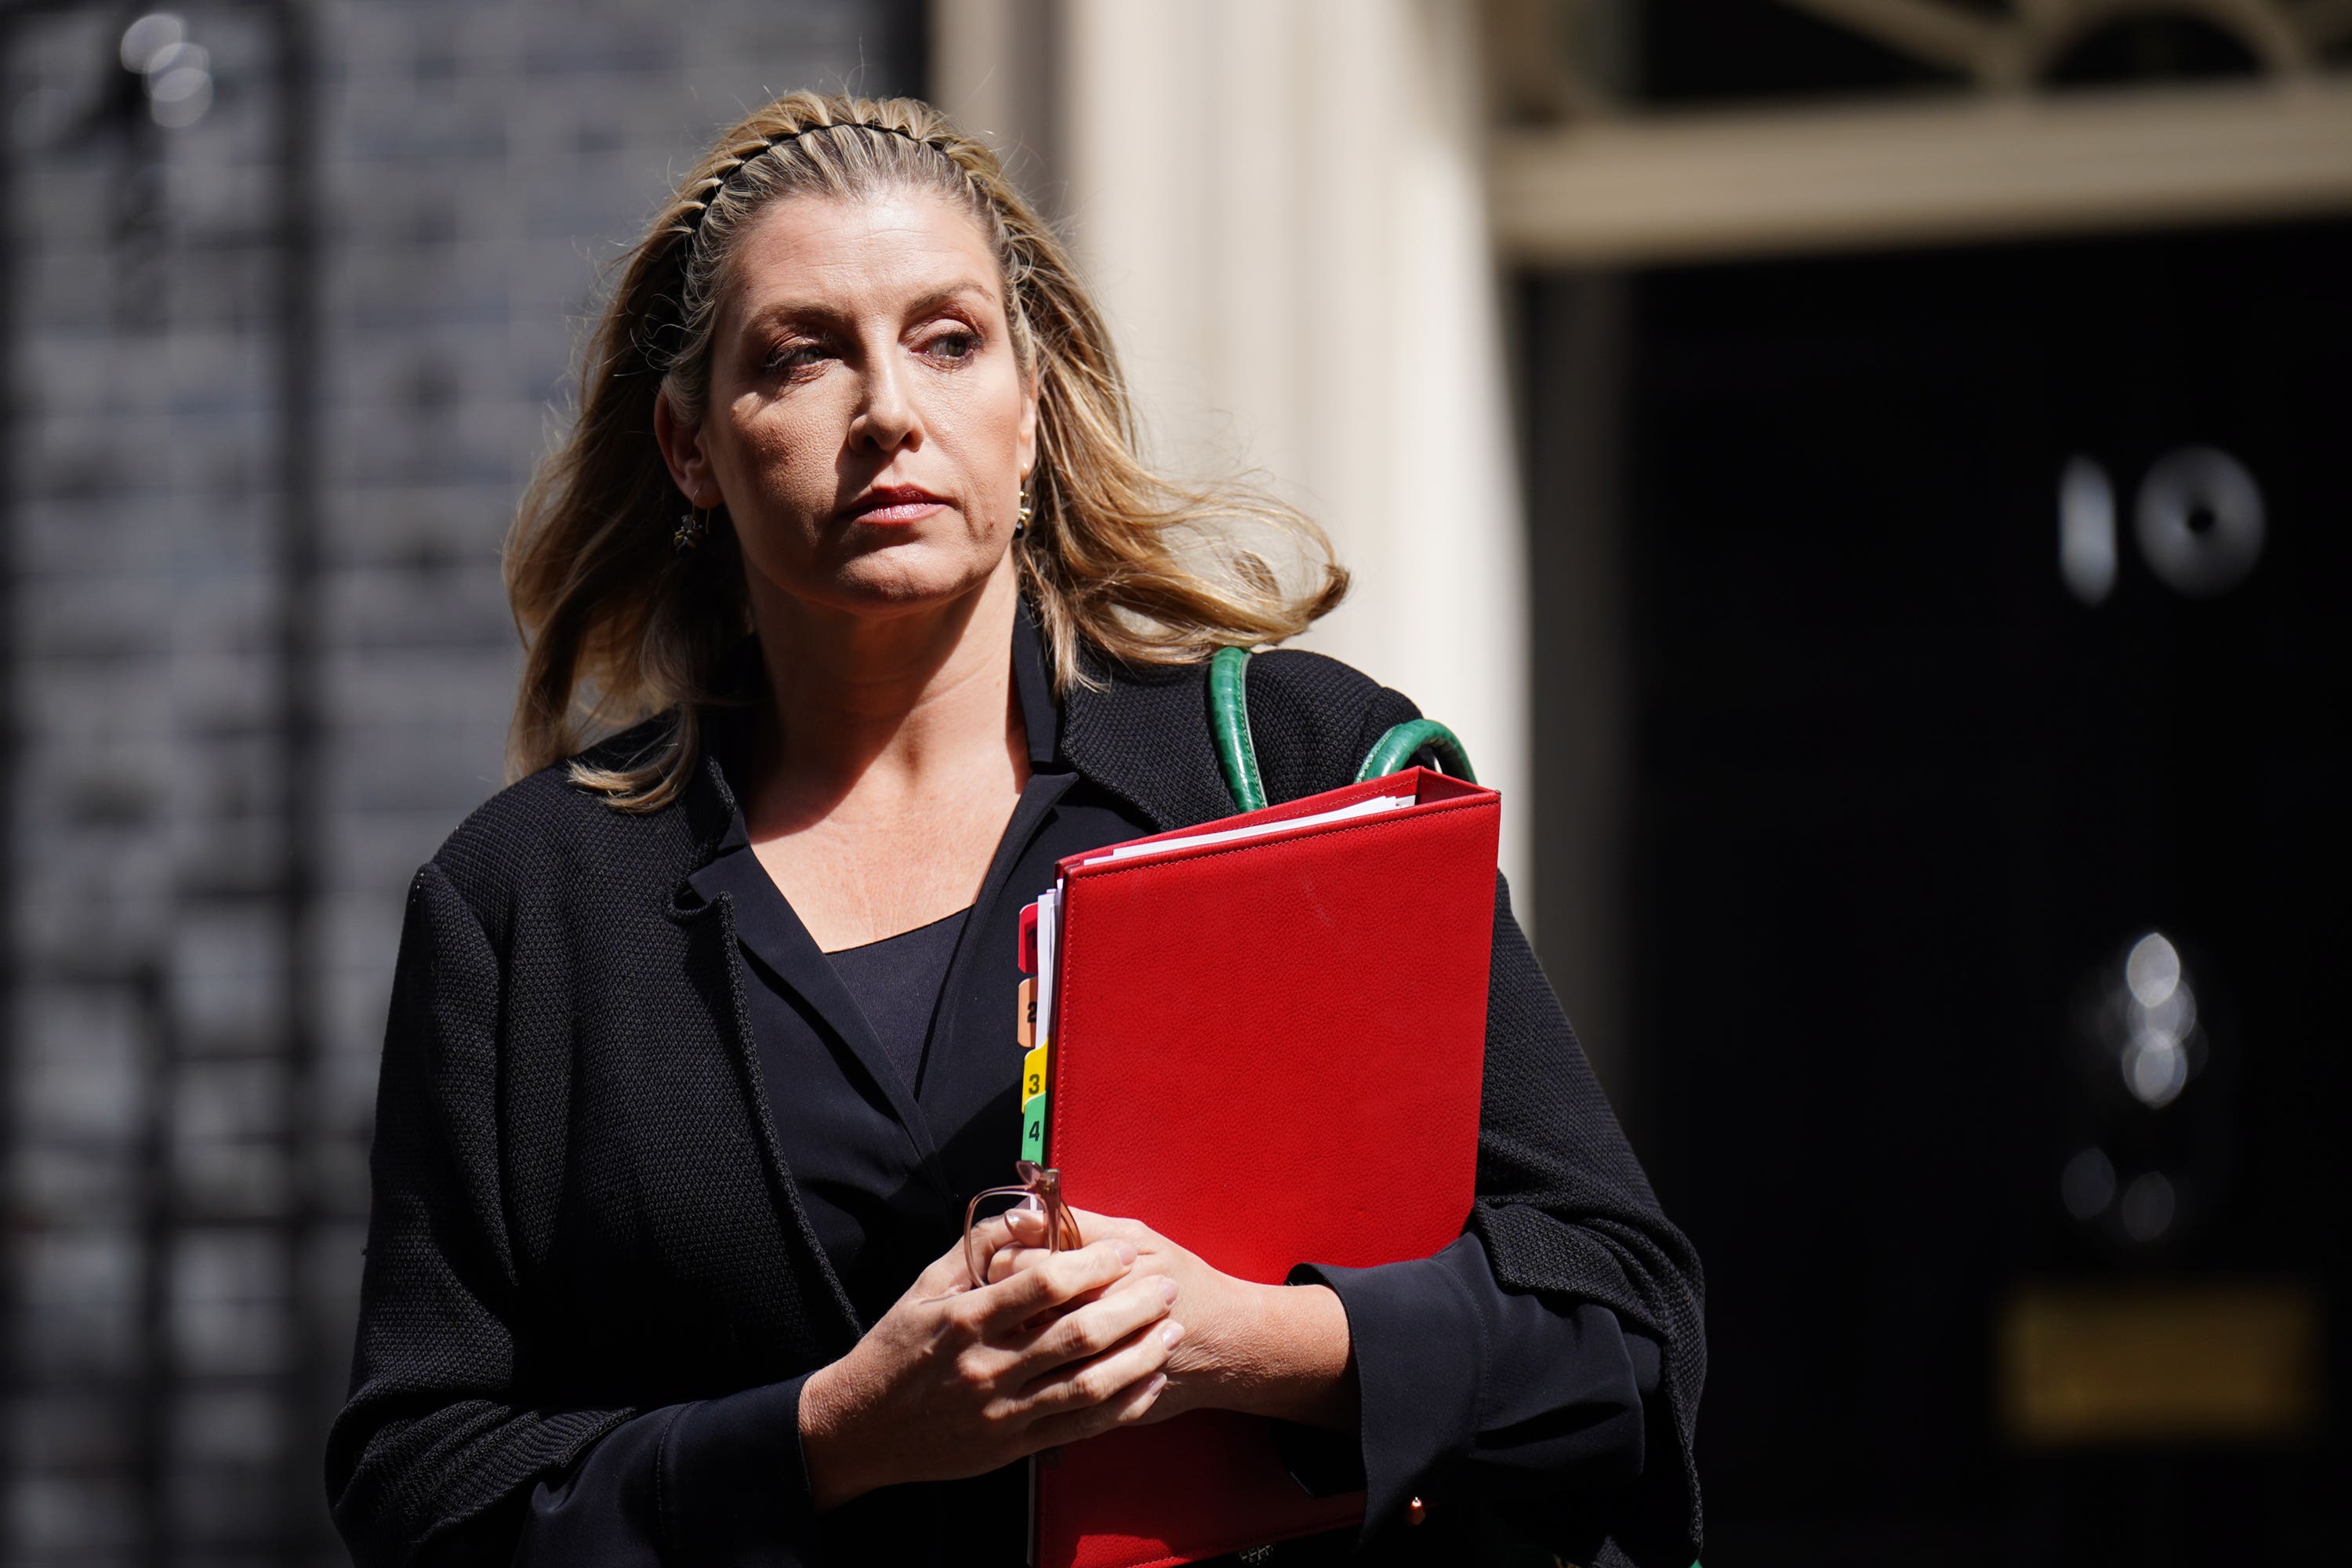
(959, 1378)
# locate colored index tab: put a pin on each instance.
(1028, 955)
(1033, 1074)
(1025, 1029)
(1032, 1129)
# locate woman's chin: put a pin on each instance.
(902, 579)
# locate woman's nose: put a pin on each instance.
(886, 416)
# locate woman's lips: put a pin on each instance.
(893, 505)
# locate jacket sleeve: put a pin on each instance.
(1566, 1213)
(1568, 1264)
(439, 1455)
(1534, 1406)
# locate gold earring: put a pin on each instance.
(1021, 522)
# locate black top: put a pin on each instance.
(896, 984)
(642, 1165)
(886, 1143)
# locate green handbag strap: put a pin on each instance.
(1229, 725)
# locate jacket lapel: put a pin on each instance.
(1142, 733)
(715, 965)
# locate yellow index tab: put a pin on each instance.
(1033, 1072)
(1025, 1030)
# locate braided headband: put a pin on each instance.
(718, 182)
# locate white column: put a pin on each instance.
(1280, 203)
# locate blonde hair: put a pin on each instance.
(619, 627)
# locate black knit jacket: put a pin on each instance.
(569, 1074)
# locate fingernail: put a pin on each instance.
(1167, 1290)
(1170, 1333)
(1159, 1381)
(1126, 1253)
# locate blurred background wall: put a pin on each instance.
(290, 309)
(1865, 476)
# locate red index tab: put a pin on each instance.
(1028, 958)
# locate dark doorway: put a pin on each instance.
(1955, 669)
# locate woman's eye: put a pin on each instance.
(955, 346)
(794, 357)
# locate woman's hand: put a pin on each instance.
(955, 1381)
(1270, 1350)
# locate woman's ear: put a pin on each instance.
(681, 449)
(1027, 440)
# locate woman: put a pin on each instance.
(699, 1037)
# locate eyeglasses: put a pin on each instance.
(1040, 1192)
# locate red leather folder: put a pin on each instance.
(1269, 1051)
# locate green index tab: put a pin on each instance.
(1032, 1129)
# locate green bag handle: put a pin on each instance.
(1229, 725)
(1237, 752)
